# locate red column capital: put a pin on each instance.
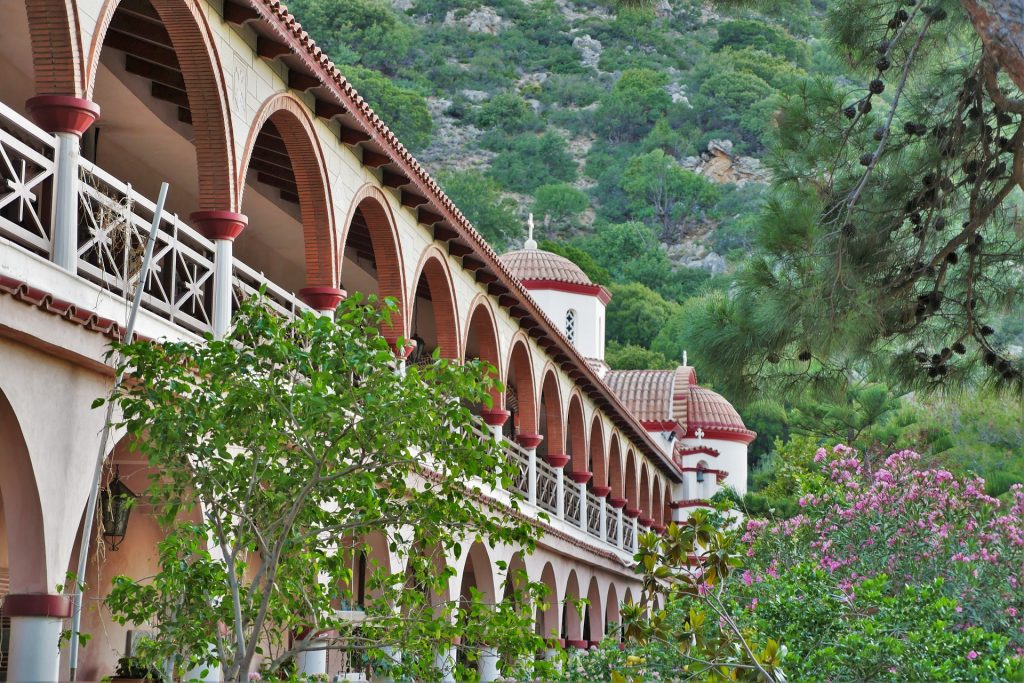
(322, 298)
(62, 113)
(219, 225)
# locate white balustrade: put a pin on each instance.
(593, 515)
(27, 165)
(519, 458)
(611, 525)
(547, 487)
(571, 498)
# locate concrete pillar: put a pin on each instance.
(444, 662)
(37, 620)
(603, 518)
(560, 496)
(222, 227)
(66, 117)
(312, 662)
(619, 540)
(323, 300)
(635, 530)
(487, 665)
(532, 476)
(583, 505)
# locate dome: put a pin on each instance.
(537, 265)
(714, 416)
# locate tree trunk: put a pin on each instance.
(1000, 23)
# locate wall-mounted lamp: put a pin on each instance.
(116, 503)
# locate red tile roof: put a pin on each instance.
(537, 264)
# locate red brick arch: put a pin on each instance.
(576, 430)
(598, 454)
(482, 328)
(293, 122)
(203, 72)
(615, 477)
(645, 491)
(657, 503)
(551, 404)
(519, 370)
(632, 496)
(56, 47)
(433, 268)
(387, 252)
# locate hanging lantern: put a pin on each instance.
(417, 352)
(115, 508)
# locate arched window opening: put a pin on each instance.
(570, 325)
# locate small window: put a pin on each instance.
(570, 325)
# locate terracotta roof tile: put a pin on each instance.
(537, 264)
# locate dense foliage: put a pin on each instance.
(282, 455)
(890, 573)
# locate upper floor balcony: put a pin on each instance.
(179, 295)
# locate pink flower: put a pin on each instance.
(972, 655)
(748, 578)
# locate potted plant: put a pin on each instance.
(132, 670)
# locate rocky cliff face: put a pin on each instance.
(719, 165)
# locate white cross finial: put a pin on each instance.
(684, 359)
(699, 433)
(530, 242)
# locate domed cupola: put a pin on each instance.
(565, 294)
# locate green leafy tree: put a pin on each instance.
(278, 451)
(636, 313)
(560, 202)
(506, 111)
(664, 191)
(404, 110)
(740, 33)
(480, 199)
(636, 101)
(529, 161)
(633, 357)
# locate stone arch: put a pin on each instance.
(594, 623)
(657, 504)
(56, 47)
(611, 611)
(598, 457)
(552, 417)
(616, 481)
(288, 117)
(371, 242)
(481, 341)
(433, 283)
(572, 625)
(576, 436)
(519, 383)
(20, 501)
(201, 68)
(632, 495)
(478, 573)
(547, 622)
(645, 493)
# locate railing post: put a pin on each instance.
(584, 520)
(603, 519)
(323, 300)
(530, 443)
(222, 227)
(560, 492)
(66, 117)
(622, 533)
(635, 530)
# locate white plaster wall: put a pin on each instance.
(590, 313)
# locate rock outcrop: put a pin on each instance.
(719, 165)
(481, 20)
(590, 50)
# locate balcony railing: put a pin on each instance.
(27, 163)
(114, 222)
(628, 539)
(593, 515)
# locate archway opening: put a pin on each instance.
(520, 393)
(551, 427)
(433, 325)
(371, 264)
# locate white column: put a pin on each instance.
(312, 662)
(602, 519)
(618, 512)
(444, 662)
(487, 665)
(560, 495)
(583, 506)
(532, 476)
(64, 245)
(33, 653)
(222, 266)
(636, 530)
